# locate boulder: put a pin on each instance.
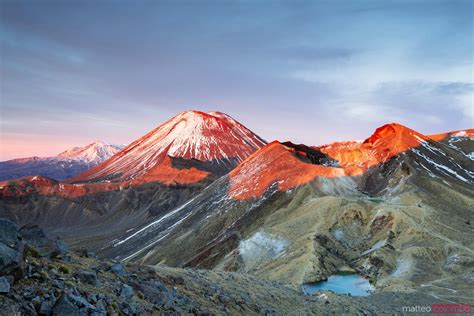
(118, 269)
(81, 252)
(61, 248)
(64, 307)
(126, 292)
(8, 232)
(80, 301)
(4, 285)
(88, 276)
(11, 261)
(46, 308)
(34, 236)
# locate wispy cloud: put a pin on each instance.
(366, 112)
(466, 105)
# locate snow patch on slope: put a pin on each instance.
(402, 268)
(261, 247)
(379, 244)
(154, 223)
(338, 186)
(446, 170)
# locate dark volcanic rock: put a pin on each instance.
(46, 308)
(88, 276)
(11, 256)
(9, 259)
(36, 237)
(33, 234)
(65, 308)
(311, 155)
(4, 285)
(80, 301)
(118, 269)
(61, 248)
(127, 291)
(8, 232)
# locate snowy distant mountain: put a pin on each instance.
(65, 165)
(92, 153)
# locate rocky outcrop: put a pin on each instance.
(39, 276)
(11, 252)
(17, 245)
(34, 236)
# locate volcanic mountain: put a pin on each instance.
(206, 192)
(386, 142)
(96, 152)
(65, 165)
(286, 166)
(151, 176)
(385, 207)
(204, 143)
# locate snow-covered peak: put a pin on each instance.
(95, 152)
(205, 136)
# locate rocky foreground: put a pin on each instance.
(40, 276)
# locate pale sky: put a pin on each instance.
(312, 72)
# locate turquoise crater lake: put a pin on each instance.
(352, 284)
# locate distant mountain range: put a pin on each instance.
(65, 165)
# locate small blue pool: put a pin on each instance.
(353, 284)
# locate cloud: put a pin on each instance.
(446, 100)
(453, 87)
(309, 53)
(429, 106)
(366, 112)
(466, 105)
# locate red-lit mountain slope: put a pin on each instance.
(280, 166)
(275, 164)
(386, 142)
(211, 141)
(467, 133)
